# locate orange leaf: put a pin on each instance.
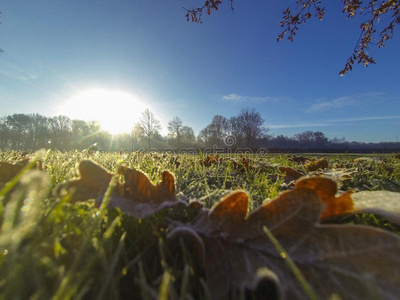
(350, 261)
(318, 164)
(326, 189)
(9, 170)
(137, 196)
(290, 174)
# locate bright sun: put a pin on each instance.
(115, 111)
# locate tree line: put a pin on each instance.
(30, 132)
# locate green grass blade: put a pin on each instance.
(292, 266)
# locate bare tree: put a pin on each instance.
(204, 136)
(251, 124)
(235, 129)
(60, 127)
(188, 135)
(137, 136)
(39, 131)
(312, 140)
(175, 128)
(150, 125)
(5, 133)
(80, 132)
(218, 129)
(19, 127)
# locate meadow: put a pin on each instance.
(60, 238)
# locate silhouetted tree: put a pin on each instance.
(175, 127)
(19, 129)
(150, 125)
(137, 135)
(5, 134)
(188, 136)
(39, 131)
(320, 140)
(81, 134)
(60, 128)
(218, 130)
(312, 140)
(204, 136)
(235, 129)
(251, 124)
(30, 132)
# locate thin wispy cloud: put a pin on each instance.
(365, 119)
(332, 122)
(343, 102)
(239, 98)
(300, 125)
(337, 103)
(12, 71)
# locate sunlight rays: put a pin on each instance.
(116, 111)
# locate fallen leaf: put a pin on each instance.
(138, 187)
(318, 164)
(351, 261)
(339, 175)
(326, 189)
(92, 184)
(383, 203)
(8, 170)
(137, 196)
(211, 159)
(389, 170)
(291, 174)
(242, 165)
(289, 177)
(299, 159)
(367, 160)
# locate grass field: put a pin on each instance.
(53, 249)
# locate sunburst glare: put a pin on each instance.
(116, 111)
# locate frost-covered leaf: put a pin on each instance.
(137, 196)
(9, 170)
(339, 175)
(326, 189)
(92, 184)
(383, 203)
(289, 175)
(298, 159)
(319, 164)
(353, 262)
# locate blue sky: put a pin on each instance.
(55, 50)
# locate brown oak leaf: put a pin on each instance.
(340, 174)
(9, 170)
(326, 189)
(383, 203)
(137, 196)
(92, 184)
(351, 261)
(289, 175)
(298, 159)
(319, 164)
(211, 160)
